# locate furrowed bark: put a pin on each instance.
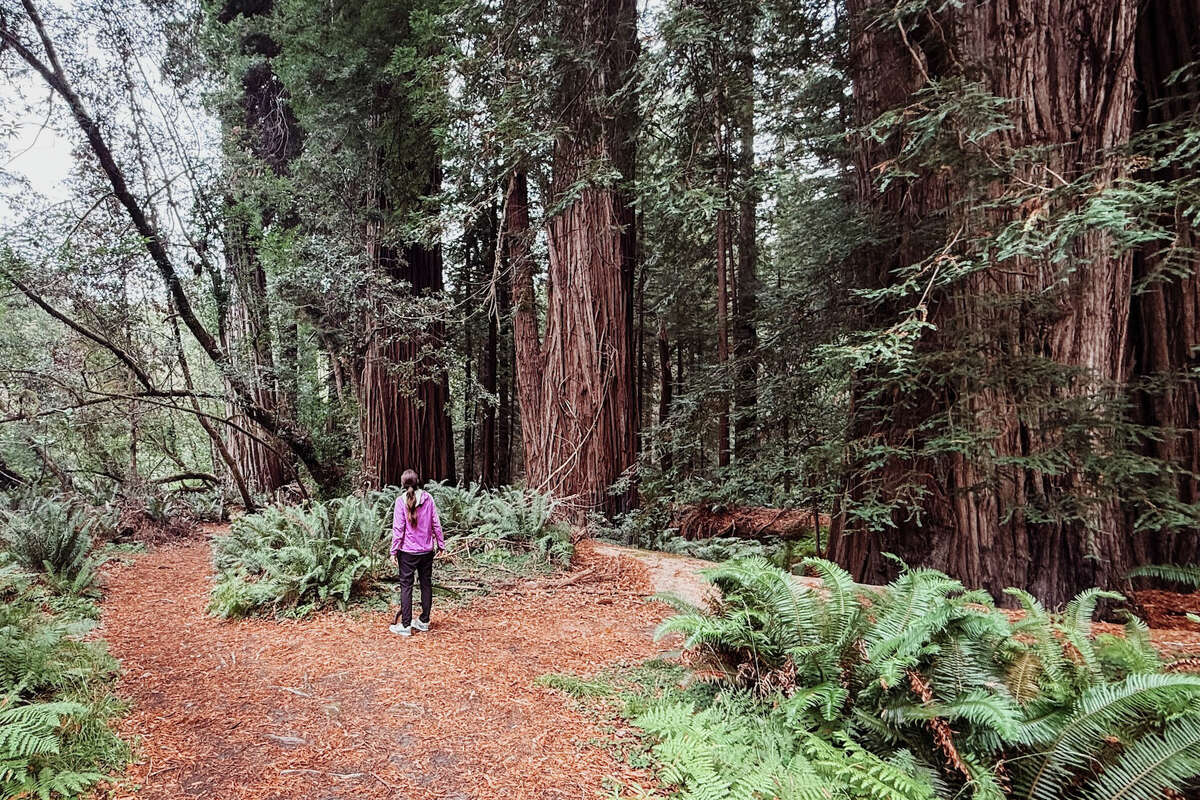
(1165, 315)
(1068, 65)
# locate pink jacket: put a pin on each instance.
(417, 538)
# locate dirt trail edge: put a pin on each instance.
(337, 707)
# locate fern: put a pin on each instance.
(54, 536)
(1187, 575)
(921, 689)
(296, 559)
(1153, 764)
(54, 705)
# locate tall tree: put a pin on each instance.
(1020, 346)
(576, 380)
(1164, 327)
(745, 307)
(364, 79)
(261, 129)
(33, 41)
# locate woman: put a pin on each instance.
(416, 539)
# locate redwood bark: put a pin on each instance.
(1165, 321)
(576, 384)
(1068, 66)
(405, 424)
(272, 133)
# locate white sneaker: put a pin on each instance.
(421, 626)
(403, 630)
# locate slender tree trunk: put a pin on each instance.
(218, 441)
(745, 332)
(723, 336)
(504, 411)
(1068, 66)
(489, 362)
(489, 378)
(666, 458)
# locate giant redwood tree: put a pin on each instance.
(576, 378)
(1164, 329)
(263, 135)
(991, 455)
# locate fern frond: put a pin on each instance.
(1185, 574)
(1154, 764)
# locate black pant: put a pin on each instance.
(422, 564)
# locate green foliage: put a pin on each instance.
(917, 690)
(296, 559)
(55, 536)
(510, 519)
(1187, 575)
(576, 687)
(54, 700)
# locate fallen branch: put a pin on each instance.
(571, 579)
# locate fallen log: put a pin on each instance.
(704, 521)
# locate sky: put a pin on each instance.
(33, 152)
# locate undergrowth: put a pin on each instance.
(918, 690)
(55, 536)
(55, 698)
(650, 527)
(293, 560)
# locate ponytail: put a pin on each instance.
(410, 502)
(409, 481)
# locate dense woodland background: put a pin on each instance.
(928, 268)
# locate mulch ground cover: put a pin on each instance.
(335, 706)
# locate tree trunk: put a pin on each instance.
(489, 362)
(1068, 65)
(502, 475)
(665, 459)
(1164, 326)
(723, 249)
(576, 387)
(745, 332)
(272, 133)
(405, 424)
(248, 342)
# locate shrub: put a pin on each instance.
(507, 518)
(54, 700)
(919, 690)
(55, 536)
(296, 558)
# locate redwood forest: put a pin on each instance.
(534, 399)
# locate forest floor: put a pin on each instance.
(335, 706)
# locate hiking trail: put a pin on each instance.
(335, 706)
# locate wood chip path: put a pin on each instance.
(337, 707)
